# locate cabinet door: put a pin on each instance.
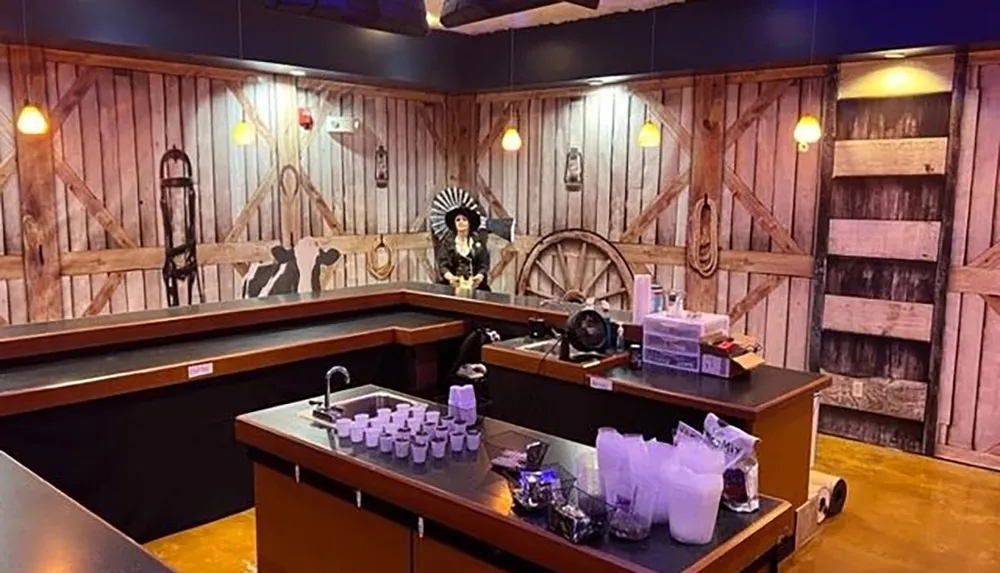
(301, 529)
(430, 556)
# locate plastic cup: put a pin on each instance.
(399, 417)
(419, 452)
(457, 440)
(343, 426)
(442, 431)
(438, 447)
(385, 442)
(357, 433)
(421, 438)
(420, 408)
(418, 415)
(402, 445)
(448, 421)
(371, 436)
(404, 407)
(432, 417)
(414, 424)
(383, 412)
(472, 439)
(362, 419)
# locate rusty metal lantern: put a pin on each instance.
(381, 167)
(573, 177)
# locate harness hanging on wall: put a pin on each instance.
(381, 167)
(170, 189)
(573, 177)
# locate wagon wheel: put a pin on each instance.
(571, 282)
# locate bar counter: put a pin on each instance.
(321, 499)
(43, 531)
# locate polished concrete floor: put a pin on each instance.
(904, 513)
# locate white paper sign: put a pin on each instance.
(600, 383)
(197, 370)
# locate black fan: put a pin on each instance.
(587, 332)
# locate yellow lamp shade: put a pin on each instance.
(244, 133)
(807, 131)
(511, 139)
(649, 135)
(32, 121)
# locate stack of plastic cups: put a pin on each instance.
(641, 297)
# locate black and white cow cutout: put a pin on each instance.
(293, 270)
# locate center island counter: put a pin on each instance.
(324, 503)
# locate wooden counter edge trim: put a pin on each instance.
(415, 336)
(683, 400)
(27, 400)
(481, 308)
(46, 343)
(549, 366)
(769, 533)
(496, 529)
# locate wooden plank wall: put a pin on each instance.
(112, 120)
(886, 216)
(969, 399)
(639, 198)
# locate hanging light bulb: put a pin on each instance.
(31, 120)
(244, 133)
(649, 135)
(807, 131)
(511, 139)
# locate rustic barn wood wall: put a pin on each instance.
(969, 398)
(86, 196)
(763, 191)
(886, 218)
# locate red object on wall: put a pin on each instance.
(305, 118)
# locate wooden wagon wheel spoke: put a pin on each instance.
(589, 287)
(581, 267)
(608, 295)
(562, 263)
(548, 274)
(613, 279)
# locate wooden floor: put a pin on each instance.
(904, 513)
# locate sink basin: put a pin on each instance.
(364, 405)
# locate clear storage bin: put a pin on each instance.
(693, 325)
(685, 362)
(671, 344)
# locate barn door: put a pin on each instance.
(883, 249)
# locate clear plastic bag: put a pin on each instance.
(740, 475)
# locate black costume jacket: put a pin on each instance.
(476, 263)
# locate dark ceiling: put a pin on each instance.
(697, 35)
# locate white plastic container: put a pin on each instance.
(358, 433)
(371, 436)
(457, 440)
(472, 438)
(693, 505)
(343, 427)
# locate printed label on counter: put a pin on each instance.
(197, 370)
(600, 383)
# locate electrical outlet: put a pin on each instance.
(857, 389)
(342, 124)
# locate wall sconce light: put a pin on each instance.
(381, 167)
(649, 135)
(244, 133)
(511, 139)
(807, 131)
(31, 120)
(573, 177)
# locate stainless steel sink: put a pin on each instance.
(363, 405)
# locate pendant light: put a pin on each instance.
(649, 134)
(244, 132)
(31, 120)
(511, 140)
(808, 129)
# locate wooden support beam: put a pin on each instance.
(651, 213)
(325, 211)
(913, 156)
(85, 79)
(761, 215)
(496, 130)
(461, 127)
(287, 105)
(8, 167)
(897, 398)
(766, 99)
(754, 297)
(11, 267)
(988, 259)
(252, 204)
(250, 113)
(974, 280)
(79, 188)
(907, 240)
(906, 320)
(707, 166)
(37, 192)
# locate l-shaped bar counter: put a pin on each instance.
(114, 410)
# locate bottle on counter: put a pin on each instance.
(657, 299)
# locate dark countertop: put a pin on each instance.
(43, 531)
(469, 483)
(57, 336)
(27, 387)
(767, 387)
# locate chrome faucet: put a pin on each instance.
(329, 374)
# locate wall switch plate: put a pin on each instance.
(342, 124)
(857, 389)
